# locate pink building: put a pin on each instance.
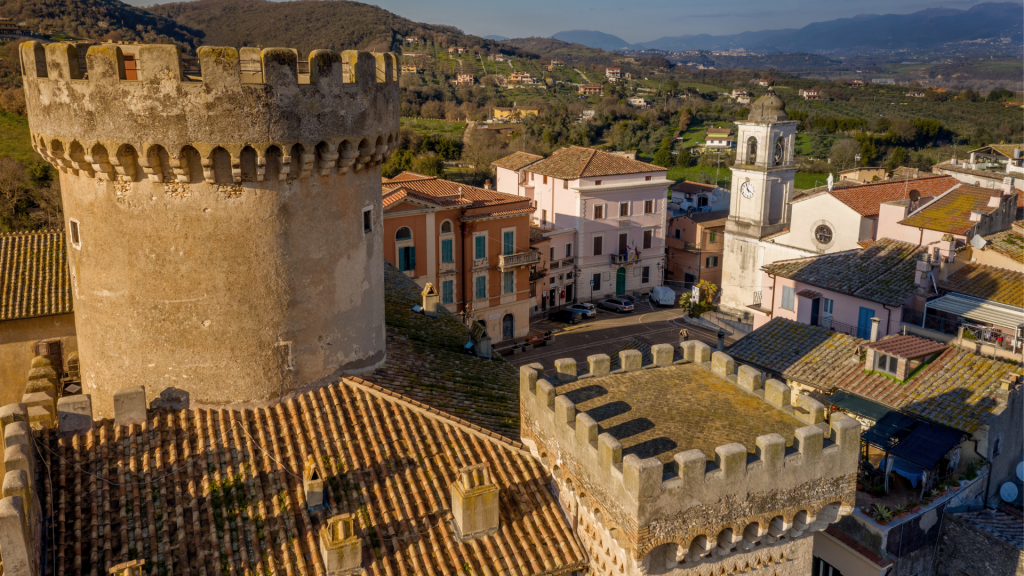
(617, 207)
(845, 290)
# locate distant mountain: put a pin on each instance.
(926, 29)
(594, 39)
(495, 37)
(559, 50)
(307, 25)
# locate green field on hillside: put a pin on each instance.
(425, 126)
(14, 138)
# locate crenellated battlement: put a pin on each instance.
(125, 112)
(656, 498)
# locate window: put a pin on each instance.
(645, 275)
(712, 237)
(823, 234)
(887, 364)
(623, 243)
(596, 282)
(648, 206)
(508, 242)
(565, 184)
(480, 247)
(677, 234)
(647, 178)
(597, 182)
(446, 227)
(508, 282)
(599, 212)
(648, 238)
(568, 250)
(447, 254)
(598, 245)
(403, 234)
(788, 297)
(623, 208)
(481, 287)
(702, 201)
(821, 568)
(552, 253)
(997, 446)
(76, 239)
(712, 262)
(826, 307)
(368, 220)
(544, 179)
(448, 292)
(407, 258)
(543, 215)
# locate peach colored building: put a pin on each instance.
(695, 245)
(472, 244)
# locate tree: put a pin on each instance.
(429, 165)
(704, 303)
(897, 158)
(663, 157)
(399, 162)
(844, 154)
(432, 109)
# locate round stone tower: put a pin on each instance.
(224, 221)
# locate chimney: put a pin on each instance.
(131, 568)
(340, 548)
(973, 158)
(487, 184)
(924, 266)
(475, 503)
(1009, 186)
(312, 484)
(976, 216)
(874, 329)
(430, 300)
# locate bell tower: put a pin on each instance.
(762, 185)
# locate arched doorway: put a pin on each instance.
(620, 281)
(508, 327)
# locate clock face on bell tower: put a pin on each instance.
(747, 189)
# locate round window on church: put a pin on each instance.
(823, 234)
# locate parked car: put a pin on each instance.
(567, 316)
(662, 296)
(617, 305)
(588, 309)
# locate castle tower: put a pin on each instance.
(762, 185)
(224, 223)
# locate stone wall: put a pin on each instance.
(219, 242)
(964, 549)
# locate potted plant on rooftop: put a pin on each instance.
(914, 506)
(882, 514)
(900, 511)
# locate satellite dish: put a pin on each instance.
(1020, 471)
(915, 196)
(1011, 492)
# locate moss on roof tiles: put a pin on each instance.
(34, 279)
(988, 283)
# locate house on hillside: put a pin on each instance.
(514, 113)
(863, 175)
(719, 139)
(464, 80)
(591, 90)
(638, 102)
(810, 94)
(613, 73)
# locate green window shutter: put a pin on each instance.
(446, 252)
(509, 244)
(510, 281)
(412, 257)
(447, 292)
(481, 247)
(481, 287)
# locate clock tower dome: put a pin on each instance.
(762, 185)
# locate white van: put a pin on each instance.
(662, 296)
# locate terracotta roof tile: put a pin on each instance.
(958, 389)
(687, 187)
(447, 192)
(576, 162)
(710, 219)
(882, 272)
(906, 346)
(517, 160)
(34, 278)
(951, 212)
(998, 523)
(988, 283)
(499, 213)
(220, 491)
(867, 198)
(1009, 243)
(782, 232)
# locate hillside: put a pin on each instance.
(97, 20)
(308, 25)
(560, 50)
(594, 39)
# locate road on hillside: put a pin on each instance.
(610, 331)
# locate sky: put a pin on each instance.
(645, 20)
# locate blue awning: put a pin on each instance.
(889, 430)
(860, 406)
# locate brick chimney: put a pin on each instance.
(475, 503)
(430, 300)
(340, 548)
(874, 329)
(487, 184)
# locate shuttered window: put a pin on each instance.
(788, 296)
(480, 250)
(448, 292)
(407, 258)
(481, 287)
(508, 282)
(447, 256)
(508, 243)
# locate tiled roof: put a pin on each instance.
(516, 160)
(998, 523)
(34, 275)
(220, 491)
(687, 187)
(782, 232)
(1009, 243)
(882, 272)
(710, 219)
(906, 346)
(576, 162)
(809, 294)
(958, 389)
(499, 213)
(426, 362)
(960, 168)
(988, 283)
(445, 192)
(865, 243)
(1004, 149)
(951, 212)
(866, 198)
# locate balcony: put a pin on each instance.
(508, 261)
(619, 258)
(828, 322)
(479, 263)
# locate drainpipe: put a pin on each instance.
(888, 318)
(772, 313)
